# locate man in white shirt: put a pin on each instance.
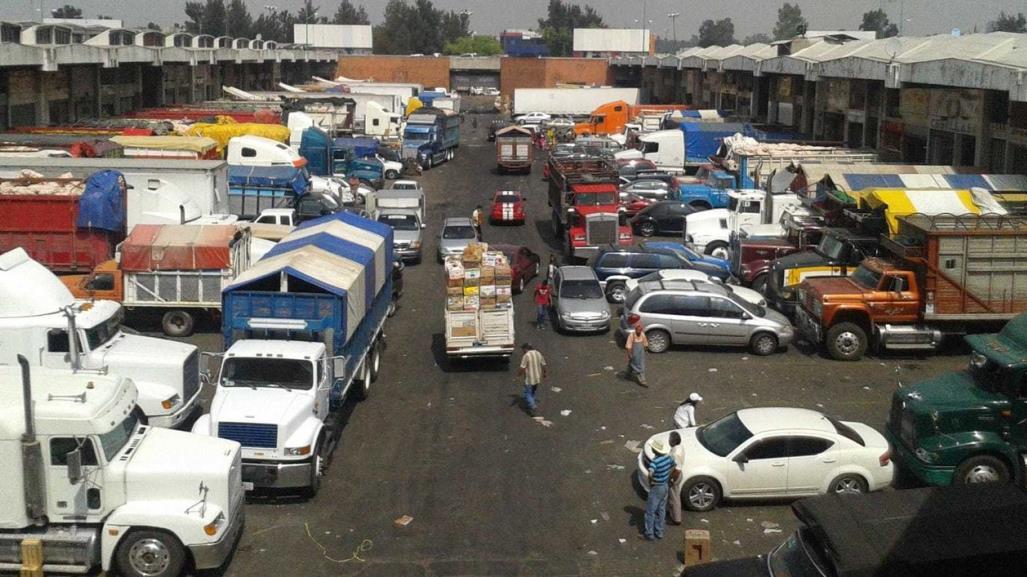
(684, 416)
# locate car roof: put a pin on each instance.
(683, 285)
(768, 419)
(457, 221)
(576, 272)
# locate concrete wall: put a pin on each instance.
(548, 72)
(425, 70)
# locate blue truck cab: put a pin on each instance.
(431, 136)
(712, 190)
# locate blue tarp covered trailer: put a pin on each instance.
(251, 189)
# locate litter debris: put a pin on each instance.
(745, 358)
(603, 427)
(769, 525)
(865, 388)
(542, 421)
(403, 521)
(608, 368)
(704, 520)
(622, 541)
(565, 412)
(737, 542)
(713, 370)
(604, 515)
(593, 374)
(650, 427)
(555, 389)
(769, 531)
(820, 405)
(594, 521)
(633, 446)
(592, 553)
(606, 442)
(748, 519)
(615, 467)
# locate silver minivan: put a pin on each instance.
(579, 304)
(702, 313)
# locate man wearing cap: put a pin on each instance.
(662, 473)
(533, 368)
(677, 452)
(684, 416)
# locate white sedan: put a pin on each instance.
(532, 118)
(697, 275)
(775, 452)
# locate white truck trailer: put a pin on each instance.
(580, 101)
(99, 489)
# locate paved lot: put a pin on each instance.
(495, 493)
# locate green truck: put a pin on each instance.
(969, 426)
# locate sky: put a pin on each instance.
(493, 16)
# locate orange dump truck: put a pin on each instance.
(611, 117)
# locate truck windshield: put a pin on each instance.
(416, 137)
(795, 558)
(115, 439)
(400, 221)
(831, 247)
(866, 278)
(723, 435)
(105, 331)
(594, 198)
(267, 372)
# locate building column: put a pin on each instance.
(809, 122)
(754, 99)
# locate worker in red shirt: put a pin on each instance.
(543, 300)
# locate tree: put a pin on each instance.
(790, 22)
(417, 28)
(348, 14)
(238, 21)
(480, 45)
(206, 17)
(67, 11)
(308, 14)
(561, 20)
(1008, 23)
(759, 38)
(274, 25)
(877, 21)
(716, 33)
(153, 26)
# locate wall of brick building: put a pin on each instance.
(548, 72)
(427, 71)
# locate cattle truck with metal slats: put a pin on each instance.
(583, 194)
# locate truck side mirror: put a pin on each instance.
(207, 373)
(74, 460)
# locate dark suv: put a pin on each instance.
(615, 265)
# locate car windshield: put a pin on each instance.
(115, 439)
(682, 251)
(105, 331)
(795, 558)
(400, 221)
(866, 278)
(723, 435)
(847, 431)
(831, 247)
(580, 289)
(502, 198)
(268, 372)
(458, 231)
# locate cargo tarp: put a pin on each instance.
(360, 146)
(153, 247)
(702, 139)
(198, 144)
(226, 129)
(368, 233)
(340, 247)
(897, 203)
(102, 205)
(269, 177)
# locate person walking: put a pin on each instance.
(533, 369)
(477, 220)
(684, 416)
(636, 346)
(677, 452)
(551, 271)
(543, 300)
(662, 472)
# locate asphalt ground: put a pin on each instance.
(493, 492)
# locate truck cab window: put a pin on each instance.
(248, 152)
(898, 284)
(101, 282)
(61, 446)
(57, 341)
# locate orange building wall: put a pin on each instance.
(548, 72)
(424, 70)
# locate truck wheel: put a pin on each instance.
(759, 284)
(363, 381)
(317, 466)
(150, 554)
(376, 361)
(392, 175)
(981, 469)
(763, 344)
(719, 249)
(393, 305)
(846, 342)
(616, 292)
(178, 323)
(647, 229)
(659, 341)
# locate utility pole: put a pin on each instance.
(645, 49)
(674, 26)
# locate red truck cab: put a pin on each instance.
(584, 196)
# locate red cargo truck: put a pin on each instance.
(583, 193)
(43, 216)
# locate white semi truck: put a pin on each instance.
(101, 490)
(37, 313)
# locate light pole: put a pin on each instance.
(674, 26)
(465, 18)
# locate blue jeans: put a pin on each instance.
(529, 397)
(540, 320)
(656, 511)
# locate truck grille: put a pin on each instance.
(191, 376)
(601, 230)
(255, 435)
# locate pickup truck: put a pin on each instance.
(947, 275)
(709, 231)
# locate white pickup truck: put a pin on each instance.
(709, 231)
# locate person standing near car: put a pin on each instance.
(477, 219)
(677, 452)
(533, 369)
(551, 271)
(684, 416)
(636, 346)
(662, 473)
(543, 300)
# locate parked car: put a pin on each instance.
(532, 118)
(507, 207)
(688, 253)
(702, 313)
(628, 168)
(648, 188)
(663, 217)
(671, 275)
(406, 230)
(457, 233)
(773, 452)
(615, 265)
(578, 301)
(524, 264)
(631, 203)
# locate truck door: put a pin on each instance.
(69, 499)
(57, 354)
(1018, 422)
(324, 386)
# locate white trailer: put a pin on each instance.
(99, 489)
(402, 92)
(569, 100)
(480, 333)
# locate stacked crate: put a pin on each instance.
(479, 279)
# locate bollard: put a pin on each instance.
(697, 547)
(31, 558)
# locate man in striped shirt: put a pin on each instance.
(662, 473)
(533, 368)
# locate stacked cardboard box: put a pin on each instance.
(478, 279)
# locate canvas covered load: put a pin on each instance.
(153, 247)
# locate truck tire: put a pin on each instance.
(616, 291)
(317, 465)
(981, 469)
(376, 360)
(846, 342)
(392, 175)
(149, 554)
(719, 249)
(393, 305)
(178, 323)
(363, 381)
